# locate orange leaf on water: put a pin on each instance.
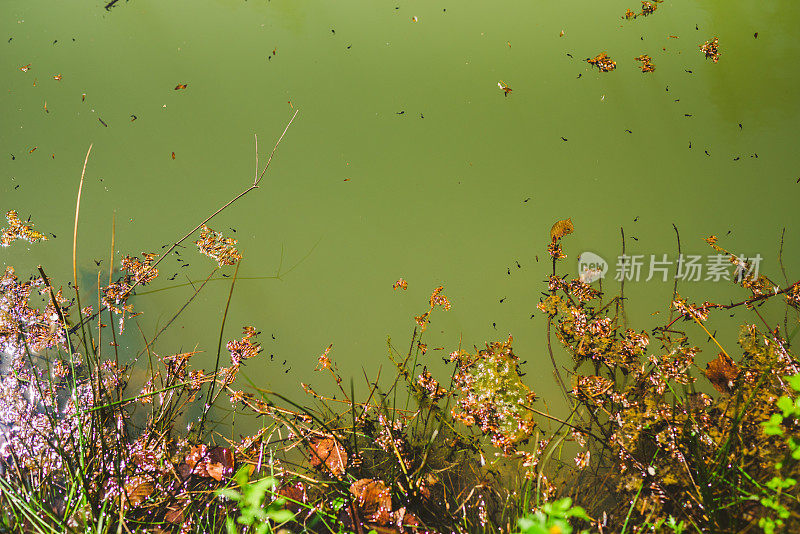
(722, 373)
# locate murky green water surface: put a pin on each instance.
(406, 159)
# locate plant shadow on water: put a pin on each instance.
(86, 448)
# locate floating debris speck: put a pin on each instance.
(19, 230)
(711, 49)
(220, 248)
(647, 66)
(602, 62)
(506, 89)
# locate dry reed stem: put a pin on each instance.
(75, 229)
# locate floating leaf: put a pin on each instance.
(722, 373)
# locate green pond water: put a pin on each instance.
(406, 160)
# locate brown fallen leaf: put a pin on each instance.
(329, 452)
(138, 495)
(374, 499)
(722, 373)
(216, 462)
(403, 519)
(174, 514)
(295, 495)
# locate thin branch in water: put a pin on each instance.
(193, 230)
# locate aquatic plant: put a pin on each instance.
(662, 451)
(84, 446)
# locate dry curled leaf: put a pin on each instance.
(722, 373)
(174, 514)
(561, 228)
(216, 462)
(138, 495)
(295, 495)
(403, 520)
(374, 499)
(329, 452)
